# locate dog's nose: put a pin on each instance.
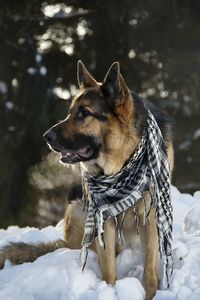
(50, 136)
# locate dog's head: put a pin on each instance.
(99, 121)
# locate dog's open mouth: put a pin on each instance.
(69, 156)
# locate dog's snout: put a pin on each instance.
(50, 136)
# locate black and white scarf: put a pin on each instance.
(109, 196)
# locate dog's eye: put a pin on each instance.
(83, 113)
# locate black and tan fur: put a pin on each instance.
(102, 130)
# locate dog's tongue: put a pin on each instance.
(83, 152)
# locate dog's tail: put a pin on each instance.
(19, 253)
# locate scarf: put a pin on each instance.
(109, 196)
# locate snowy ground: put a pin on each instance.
(57, 275)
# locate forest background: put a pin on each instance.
(158, 46)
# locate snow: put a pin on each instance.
(58, 276)
(38, 58)
(61, 93)
(9, 105)
(43, 70)
(196, 134)
(31, 71)
(128, 287)
(3, 87)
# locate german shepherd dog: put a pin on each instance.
(101, 132)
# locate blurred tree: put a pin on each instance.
(157, 44)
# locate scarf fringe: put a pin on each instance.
(100, 230)
(83, 257)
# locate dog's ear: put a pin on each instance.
(115, 88)
(84, 78)
(111, 83)
(114, 85)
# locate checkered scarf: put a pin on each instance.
(109, 196)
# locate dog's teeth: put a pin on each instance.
(65, 154)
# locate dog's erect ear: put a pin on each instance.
(115, 88)
(85, 79)
(114, 84)
(111, 83)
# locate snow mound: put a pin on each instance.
(192, 219)
(129, 288)
(58, 276)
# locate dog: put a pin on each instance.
(102, 130)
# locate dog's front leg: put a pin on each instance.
(149, 241)
(107, 254)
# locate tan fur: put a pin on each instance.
(170, 155)
(19, 253)
(149, 242)
(74, 220)
(107, 255)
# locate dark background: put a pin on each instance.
(158, 46)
